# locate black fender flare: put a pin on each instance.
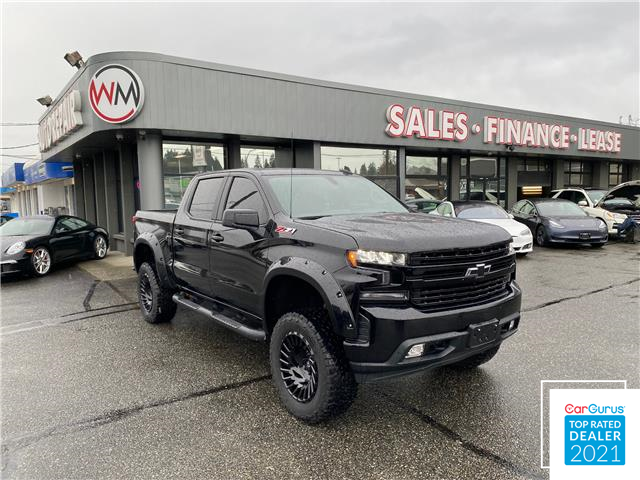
(324, 283)
(162, 269)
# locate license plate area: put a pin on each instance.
(481, 333)
(584, 236)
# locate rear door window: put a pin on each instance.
(205, 199)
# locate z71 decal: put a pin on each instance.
(287, 230)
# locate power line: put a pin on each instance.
(17, 124)
(19, 146)
(22, 157)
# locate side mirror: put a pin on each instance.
(583, 203)
(412, 207)
(240, 218)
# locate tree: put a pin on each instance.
(363, 170)
(371, 169)
(257, 163)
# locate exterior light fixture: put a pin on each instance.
(537, 190)
(74, 59)
(45, 101)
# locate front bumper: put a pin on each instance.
(14, 264)
(523, 243)
(448, 336)
(577, 238)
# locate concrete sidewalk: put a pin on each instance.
(115, 266)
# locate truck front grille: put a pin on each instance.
(460, 278)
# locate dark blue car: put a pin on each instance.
(552, 220)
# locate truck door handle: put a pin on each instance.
(216, 237)
(178, 230)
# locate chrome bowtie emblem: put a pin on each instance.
(479, 271)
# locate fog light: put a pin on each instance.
(415, 351)
(512, 324)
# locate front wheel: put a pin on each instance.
(41, 261)
(541, 236)
(155, 301)
(309, 368)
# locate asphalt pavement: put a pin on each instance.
(89, 390)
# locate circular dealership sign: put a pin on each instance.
(116, 94)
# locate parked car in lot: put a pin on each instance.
(423, 205)
(5, 218)
(623, 201)
(588, 199)
(560, 221)
(34, 244)
(488, 212)
(343, 281)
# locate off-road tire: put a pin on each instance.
(476, 360)
(159, 307)
(336, 386)
(541, 239)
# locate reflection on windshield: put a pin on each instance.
(316, 196)
(27, 226)
(560, 208)
(481, 212)
(596, 195)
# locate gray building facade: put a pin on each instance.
(137, 126)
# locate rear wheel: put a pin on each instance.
(310, 371)
(100, 247)
(476, 360)
(40, 261)
(155, 301)
(541, 236)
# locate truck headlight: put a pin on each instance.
(15, 248)
(511, 249)
(358, 257)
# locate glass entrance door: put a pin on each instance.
(483, 179)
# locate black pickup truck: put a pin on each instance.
(344, 281)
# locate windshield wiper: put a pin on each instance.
(312, 217)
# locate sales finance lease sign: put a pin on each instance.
(432, 124)
(116, 94)
(62, 119)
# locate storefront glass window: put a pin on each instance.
(257, 157)
(182, 161)
(483, 179)
(426, 177)
(376, 164)
(615, 173)
(577, 173)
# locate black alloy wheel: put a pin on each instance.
(298, 367)
(156, 302)
(145, 293)
(541, 236)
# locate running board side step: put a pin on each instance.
(230, 323)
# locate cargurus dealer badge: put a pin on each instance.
(594, 433)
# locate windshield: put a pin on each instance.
(480, 211)
(595, 195)
(560, 208)
(316, 196)
(27, 226)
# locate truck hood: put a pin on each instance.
(411, 232)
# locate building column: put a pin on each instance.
(512, 181)
(634, 171)
(110, 192)
(317, 156)
(150, 171)
(126, 188)
(402, 171)
(600, 178)
(453, 191)
(233, 153)
(89, 190)
(78, 187)
(557, 173)
(101, 201)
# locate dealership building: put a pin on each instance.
(137, 127)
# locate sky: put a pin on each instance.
(577, 59)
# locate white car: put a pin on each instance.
(488, 212)
(588, 199)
